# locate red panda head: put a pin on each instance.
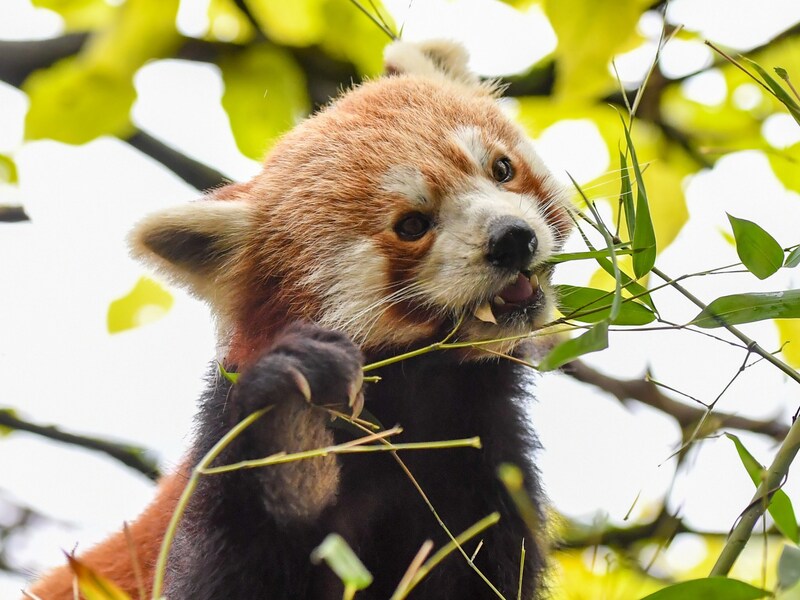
(410, 203)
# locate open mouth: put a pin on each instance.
(520, 296)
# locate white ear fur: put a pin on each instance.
(192, 243)
(433, 58)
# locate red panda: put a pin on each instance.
(409, 207)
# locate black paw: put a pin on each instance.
(306, 363)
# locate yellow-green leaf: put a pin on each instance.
(8, 170)
(338, 555)
(786, 165)
(88, 95)
(80, 15)
(265, 95)
(145, 303)
(780, 507)
(73, 103)
(588, 38)
(227, 23)
(92, 585)
(789, 332)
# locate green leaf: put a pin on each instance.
(747, 308)
(8, 170)
(232, 377)
(757, 249)
(778, 91)
(793, 259)
(335, 551)
(145, 303)
(591, 305)
(709, 588)
(780, 507)
(628, 283)
(595, 339)
(626, 196)
(644, 235)
(265, 95)
(789, 567)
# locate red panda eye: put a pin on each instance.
(412, 226)
(502, 171)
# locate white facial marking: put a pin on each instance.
(356, 295)
(469, 139)
(408, 182)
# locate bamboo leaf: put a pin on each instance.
(709, 588)
(629, 284)
(626, 196)
(757, 249)
(778, 91)
(747, 308)
(590, 305)
(789, 567)
(780, 506)
(92, 585)
(338, 555)
(644, 235)
(596, 338)
(793, 259)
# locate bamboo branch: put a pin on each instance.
(132, 456)
(777, 471)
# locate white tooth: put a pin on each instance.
(498, 300)
(534, 281)
(484, 313)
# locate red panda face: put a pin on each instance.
(410, 204)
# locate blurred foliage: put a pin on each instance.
(278, 59)
(148, 301)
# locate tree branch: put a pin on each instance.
(18, 59)
(648, 393)
(132, 456)
(10, 213)
(192, 171)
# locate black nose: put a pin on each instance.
(512, 243)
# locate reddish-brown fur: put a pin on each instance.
(112, 558)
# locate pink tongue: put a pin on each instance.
(519, 291)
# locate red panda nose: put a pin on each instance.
(512, 243)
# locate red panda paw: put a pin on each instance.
(306, 363)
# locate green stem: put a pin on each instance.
(752, 345)
(161, 564)
(278, 459)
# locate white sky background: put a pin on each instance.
(58, 274)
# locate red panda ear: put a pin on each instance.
(433, 58)
(193, 243)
